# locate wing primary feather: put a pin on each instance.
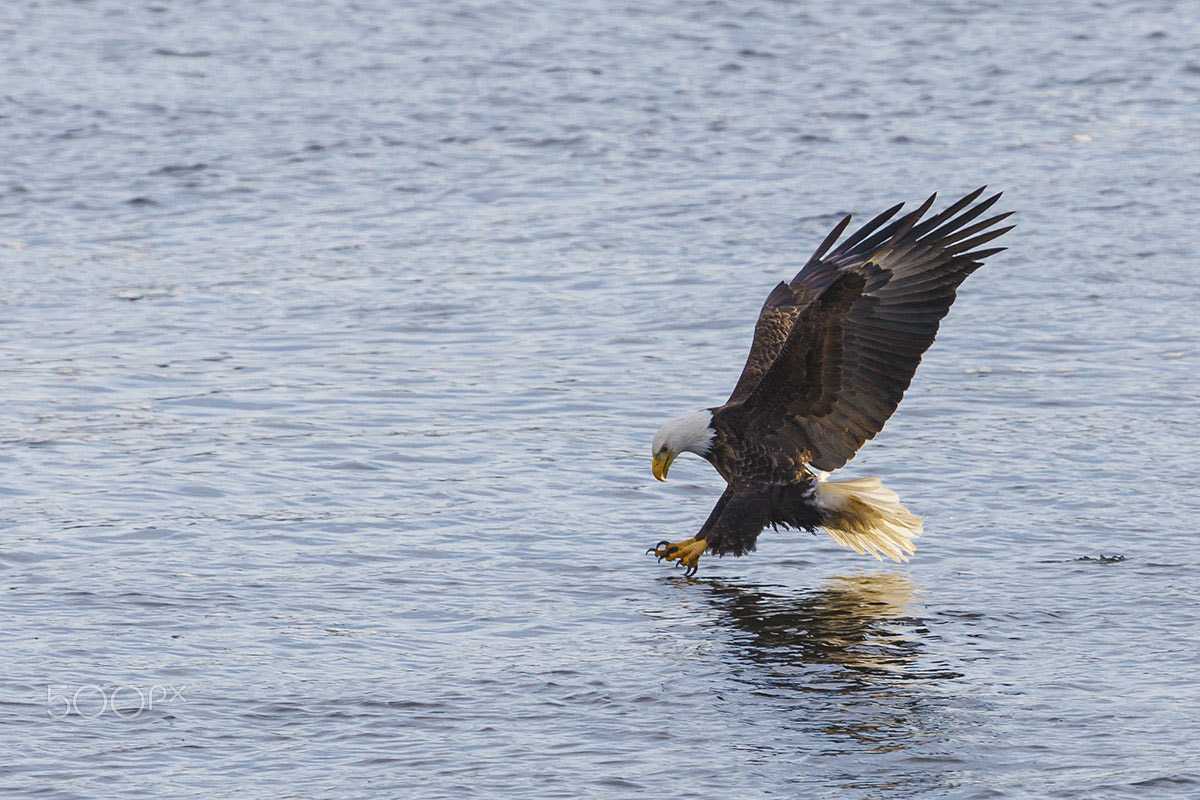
(869, 228)
(870, 245)
(934, 284)
(833, 236)
(980, 255)
(978, 240)
(947, 213)
(965, 217)
(910, 220)
(971, 230)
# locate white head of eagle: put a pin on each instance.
(692, 434)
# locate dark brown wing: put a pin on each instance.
(770, 332)
(786, 301)
(806, 375)
(847, 360)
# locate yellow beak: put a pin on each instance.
(662, 463)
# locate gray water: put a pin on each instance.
(334, 336)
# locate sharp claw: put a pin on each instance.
(673, 552)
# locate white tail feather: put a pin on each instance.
(867, 517)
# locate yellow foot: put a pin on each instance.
(686, 553)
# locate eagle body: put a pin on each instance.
(834, 350)
(770, 484)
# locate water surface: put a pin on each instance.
(334, 336)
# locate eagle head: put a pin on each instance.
(693, 434)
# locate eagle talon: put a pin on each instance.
(685, 554)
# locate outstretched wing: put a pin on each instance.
(785, 303)
(862, 317)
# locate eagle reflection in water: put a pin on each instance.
(859, 623)
(847, 654)
(841, 676)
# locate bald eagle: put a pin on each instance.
(833, 352)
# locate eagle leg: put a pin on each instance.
(686, 553)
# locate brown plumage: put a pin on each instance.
(833, 352)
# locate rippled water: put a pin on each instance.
(334, 336)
